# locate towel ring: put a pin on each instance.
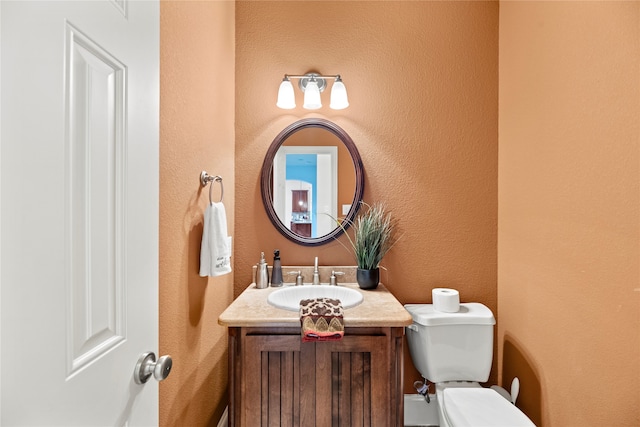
(206, 178)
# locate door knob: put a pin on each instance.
(148, 366)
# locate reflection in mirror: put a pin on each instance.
(311, 175)
(305, 188)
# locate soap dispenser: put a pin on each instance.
(276, 274)
(262, 281)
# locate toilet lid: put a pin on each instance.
(481, 407)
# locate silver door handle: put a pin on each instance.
(148, 366)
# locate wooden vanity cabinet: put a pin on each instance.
(277, 380)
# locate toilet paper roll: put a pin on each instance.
(446, 300)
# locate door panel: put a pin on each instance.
(95, 199)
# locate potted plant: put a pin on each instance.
(374, 234)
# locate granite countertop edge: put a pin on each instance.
(379, 308)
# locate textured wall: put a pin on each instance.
(569, 173)
(422, 79)
(196, 133)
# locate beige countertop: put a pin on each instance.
(378, 308)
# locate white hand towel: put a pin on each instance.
(215, 251)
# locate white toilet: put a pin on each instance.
(455, 351)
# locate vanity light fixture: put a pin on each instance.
(311, 84)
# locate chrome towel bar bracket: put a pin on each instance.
(205, 178)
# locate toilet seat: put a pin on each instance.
(481, 407)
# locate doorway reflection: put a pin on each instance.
(305, 190)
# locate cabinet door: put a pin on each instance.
(353, 382)
(299, 202)
(278, 381)
(303, 230)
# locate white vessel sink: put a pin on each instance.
(289, 298)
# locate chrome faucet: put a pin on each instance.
(333, 280)
(316, 273)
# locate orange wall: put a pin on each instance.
(196, 133)
(423, 87)
(568, 232)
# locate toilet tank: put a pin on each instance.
(451, 346)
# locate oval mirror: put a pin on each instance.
(311, 177)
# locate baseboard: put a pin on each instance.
(224, 419)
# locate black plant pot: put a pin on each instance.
(368, 279)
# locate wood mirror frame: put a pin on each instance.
(266, 180)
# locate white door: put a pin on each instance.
(79, 111)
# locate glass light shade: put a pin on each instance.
(312, 99)
(286, 97)
(339, 98)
